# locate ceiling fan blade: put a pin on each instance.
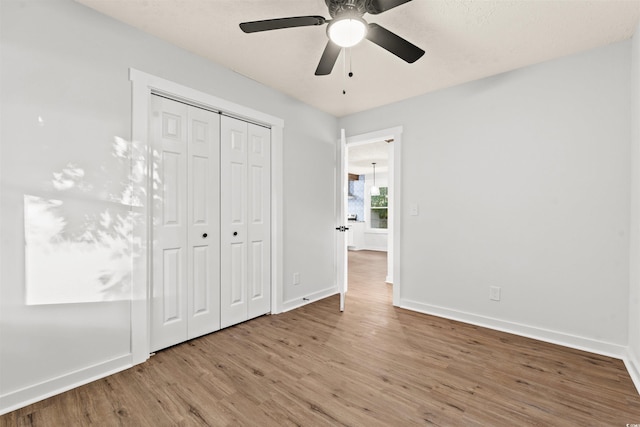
(328, 59)
(378, 6)
(394, 43)
(276, 24)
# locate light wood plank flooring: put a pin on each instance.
(373, 365)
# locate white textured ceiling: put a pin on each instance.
(464, 41)
(361, 157)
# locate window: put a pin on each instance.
(379, 209)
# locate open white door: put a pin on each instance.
(341, 220)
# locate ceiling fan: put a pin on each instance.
(346, 29)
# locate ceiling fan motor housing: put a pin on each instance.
(337, 8)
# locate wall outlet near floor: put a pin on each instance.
(494, 293)
(296, 278)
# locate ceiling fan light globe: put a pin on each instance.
(347, 32)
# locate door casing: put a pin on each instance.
(395, 193)
(143, 85)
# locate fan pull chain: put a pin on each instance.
(344, 70)
(350, 64)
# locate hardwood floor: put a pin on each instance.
(373, 365)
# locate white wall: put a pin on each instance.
(66, 224)
(634, 271)
(522, 182)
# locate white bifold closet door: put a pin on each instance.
(245, 196)
(185, 290)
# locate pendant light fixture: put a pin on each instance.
(375, 191)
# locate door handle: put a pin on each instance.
(235, 233)
(204, 235)
(342, 228)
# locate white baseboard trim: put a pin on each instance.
(34, 393)
(292, 304)
(554, 337)
(633, 367)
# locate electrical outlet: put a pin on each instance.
(296, 278)
(494, 293)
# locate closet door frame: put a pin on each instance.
(143, 85)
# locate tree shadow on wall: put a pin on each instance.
(80, 243)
